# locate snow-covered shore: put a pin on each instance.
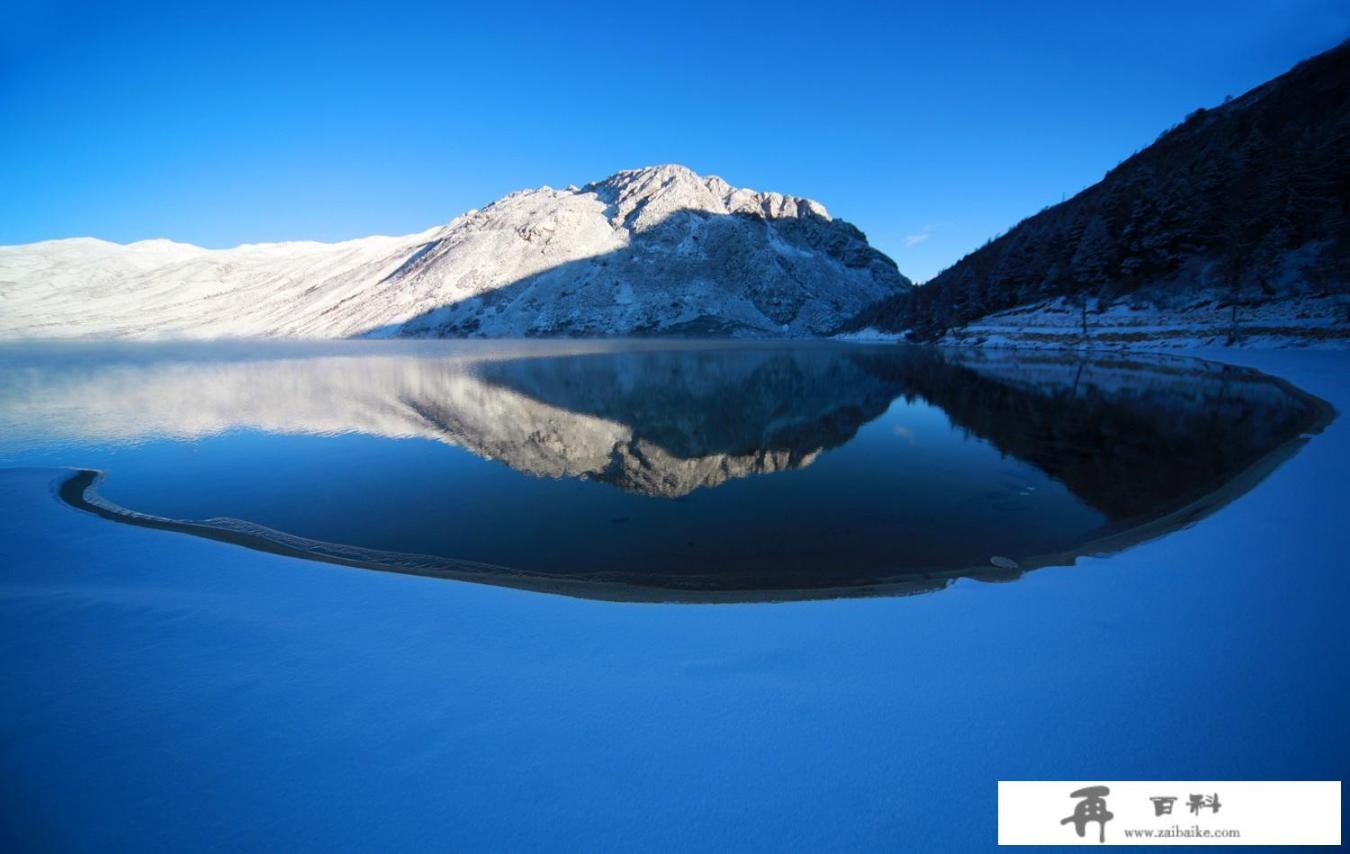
(164, 691)
(1208, 320)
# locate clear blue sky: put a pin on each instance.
(932, 126)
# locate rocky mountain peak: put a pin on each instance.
(654, 251)
(639, 199)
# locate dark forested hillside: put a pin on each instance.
(1247, 200)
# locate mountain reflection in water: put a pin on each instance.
(660, 470)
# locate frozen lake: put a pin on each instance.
(197, 652)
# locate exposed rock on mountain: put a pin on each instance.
(1232, 226)
(650, 251)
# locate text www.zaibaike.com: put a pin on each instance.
(1176, 831)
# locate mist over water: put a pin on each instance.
(653, 470)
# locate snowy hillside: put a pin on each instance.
(649, 251)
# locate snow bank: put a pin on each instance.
(1207, 320)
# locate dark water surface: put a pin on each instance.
(651, 470)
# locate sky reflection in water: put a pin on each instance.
(706, 472)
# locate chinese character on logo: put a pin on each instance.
(1199, 802)
(1091, 808)
(1162, 805)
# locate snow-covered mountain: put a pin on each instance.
(660, 250)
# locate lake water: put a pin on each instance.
(680, 471)
(164, 690)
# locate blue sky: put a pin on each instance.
(931, 126)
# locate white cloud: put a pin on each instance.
(912, 240)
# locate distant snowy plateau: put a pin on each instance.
(644, 252)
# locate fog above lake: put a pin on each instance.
(908, 460)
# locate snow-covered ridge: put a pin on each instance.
(643, 198)
(660, 250)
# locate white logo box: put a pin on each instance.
(1250, 812)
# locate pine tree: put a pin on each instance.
(1094, 258)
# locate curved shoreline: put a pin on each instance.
(79, 491)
